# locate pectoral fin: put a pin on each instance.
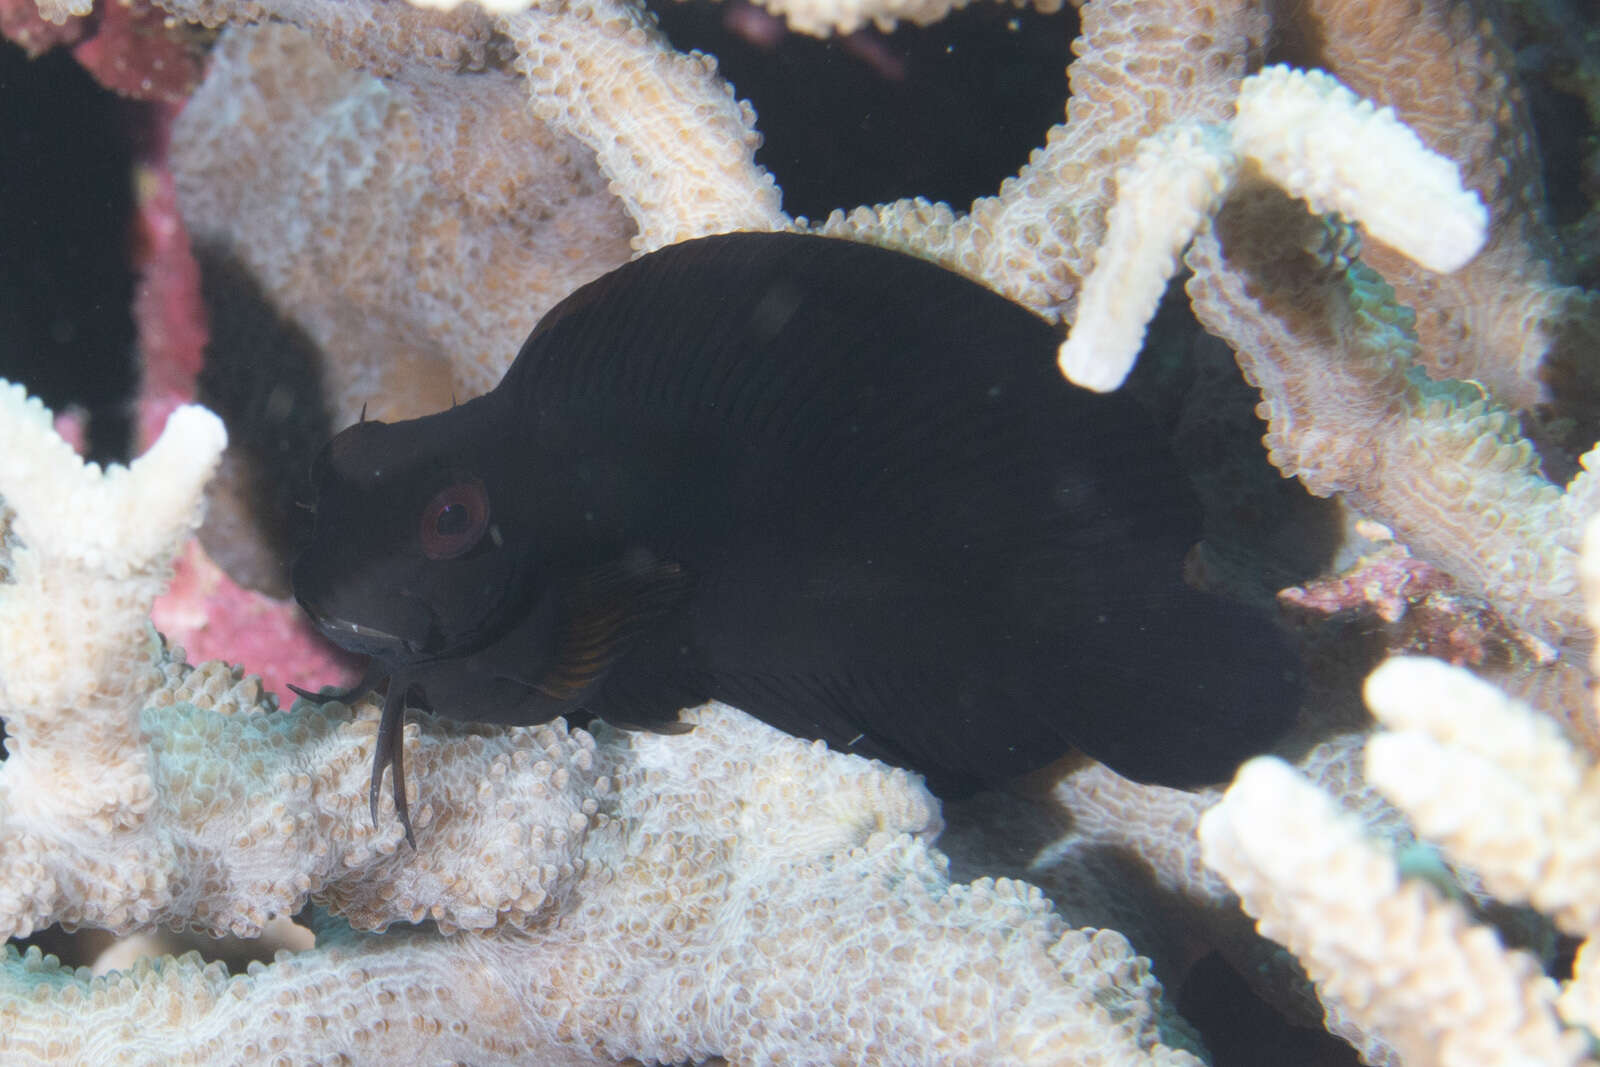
(603, 612)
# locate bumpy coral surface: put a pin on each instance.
(411, 189)
(731, 890)
(415, 235)
(1505, 796)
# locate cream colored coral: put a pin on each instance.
(1445, 468)
(1494, 784)
(1589, 563)
(1392, 953)
(1504, 319)
(1312, 137)
(1580, 1000)
(496, 7)
(1036, 239)
(819, 18)
(1157, 824)
(1325, 145)
(1176, 181)
(1508, 799)
(678, 147)
(1343, 361)
(414, 235)
(74, 630)
(61, 10)
(732, 890)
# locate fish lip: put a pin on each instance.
(360, 638)
(358, 630)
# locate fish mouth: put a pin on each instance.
(361, 639)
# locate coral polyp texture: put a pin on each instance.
(405, 190)
(1315, 139)
(1504, 795)
(732, 890)
(1393, 956)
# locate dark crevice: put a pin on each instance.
(944, 112)
(1241, 1030)
(66, 210)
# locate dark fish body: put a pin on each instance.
(835, 486)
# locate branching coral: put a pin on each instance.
(417, 235)
(1499, 789)
(1311, 136)
(75, 612)
(732, 890)
(1393, 955)
(1505, 796)
(413, 189)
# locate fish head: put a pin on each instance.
(416, 551)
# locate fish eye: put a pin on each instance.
(454, 520)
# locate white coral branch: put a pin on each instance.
(602, 72)
(1312, 137)
(67, 509)
(730, 891)
(1390, 953)
(1505, 795)
(92, 551)
(1170, 188)
(1491, 782)
(1337, 152)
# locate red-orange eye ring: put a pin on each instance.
(455, 519)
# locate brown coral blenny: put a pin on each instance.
(838, 487)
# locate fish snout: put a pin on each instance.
(393, 631)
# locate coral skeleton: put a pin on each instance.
(1315, 139)
(414, 187)
(732, 891)
(1505, 795)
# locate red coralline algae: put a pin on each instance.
(1422, 610)
(72, 425)
(138, 50)
(1388, 583)
(211, 617)
(166, 306)
(131, 47)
